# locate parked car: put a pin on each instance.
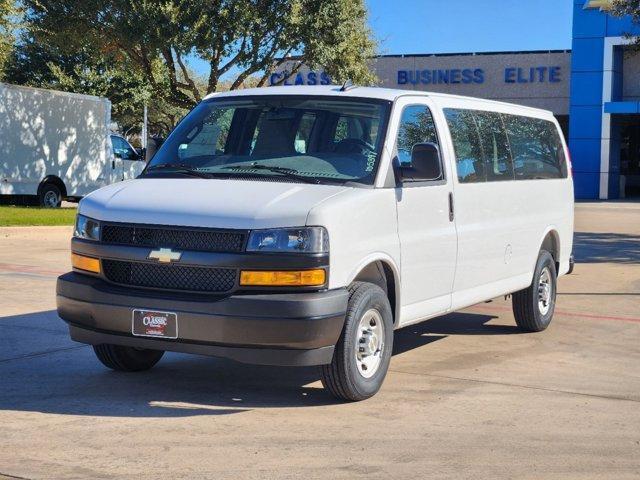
(55, 145)
(281, 226)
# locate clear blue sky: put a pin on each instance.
(449, 26)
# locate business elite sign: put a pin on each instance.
(537, 74)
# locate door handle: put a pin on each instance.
(451, 214)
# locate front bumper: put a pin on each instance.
(295, 329)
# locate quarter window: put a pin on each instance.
(536, 148)
(416, 126)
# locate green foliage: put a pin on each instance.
(623, 8)
(8, 18)
(239, 39)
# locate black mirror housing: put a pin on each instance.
(425, 164)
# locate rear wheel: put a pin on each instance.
(533, 307)
(363, 352)
(50, 196)
(127, 359)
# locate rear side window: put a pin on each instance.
(303, 135)
(416, 126)
(536, 148)
(467, 145)
(495, 146)
(491, 146)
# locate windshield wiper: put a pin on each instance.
(181, 168)
(285, 172)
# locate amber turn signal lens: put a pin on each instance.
(302, 278)
(85, 263)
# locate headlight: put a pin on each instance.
(87, 228)
(295, 240)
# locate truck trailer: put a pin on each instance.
(57, 145)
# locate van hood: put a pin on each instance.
(211, 203)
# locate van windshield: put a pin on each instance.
(314, 139)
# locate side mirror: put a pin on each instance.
(142, 154)
(425, 164)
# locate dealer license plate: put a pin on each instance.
(151, 323)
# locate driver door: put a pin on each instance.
(127, 162)
(425, 224)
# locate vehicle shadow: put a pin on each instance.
(606, 248)
(42, 371)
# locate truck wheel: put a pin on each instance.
(127, 359)
(50, 196)
(361, 358)
(533, 307)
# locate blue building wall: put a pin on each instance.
(587, 138)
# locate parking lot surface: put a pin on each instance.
(467, 395)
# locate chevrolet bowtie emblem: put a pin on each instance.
(165, 255)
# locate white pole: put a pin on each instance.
(144, 128)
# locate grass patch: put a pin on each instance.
(33, 216)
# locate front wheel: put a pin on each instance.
(363, 352)
(127, 359)
(533, 307)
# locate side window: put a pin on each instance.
(416, 126)
(466, 143)
(122, 148)
(536, 148)
(342, 130)
(303, 135)
(495, 146)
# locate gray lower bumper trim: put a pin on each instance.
(256, 356)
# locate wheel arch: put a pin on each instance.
(381, 270)
(57, 181)
(550, 242)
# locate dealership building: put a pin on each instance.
(593, 89)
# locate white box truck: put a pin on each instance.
(57, 145)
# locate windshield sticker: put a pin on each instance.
(371, 161)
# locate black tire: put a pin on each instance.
(527, 310)
(127, 359)
(342, 376)
(50, 196)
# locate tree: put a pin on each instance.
(242, 39)
(623, 8)
(8, 14)
(38, 64)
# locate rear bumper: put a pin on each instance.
(274, 329)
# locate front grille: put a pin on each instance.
(175, 237)
(170, 277)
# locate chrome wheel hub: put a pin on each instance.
(370, 343)
(545, 291)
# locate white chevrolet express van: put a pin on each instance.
(302, 225)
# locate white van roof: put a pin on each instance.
(390, 94)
